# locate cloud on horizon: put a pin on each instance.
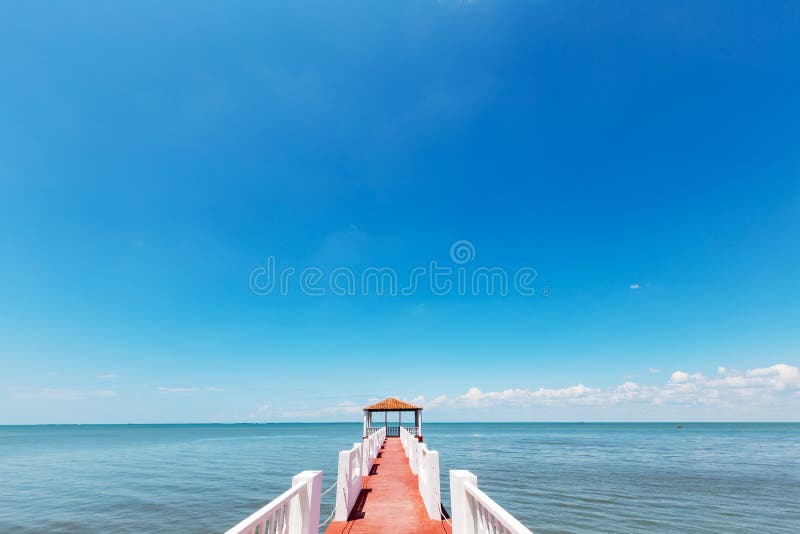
(342, 408)
(765, 393)
(259, 412)
(727, 388)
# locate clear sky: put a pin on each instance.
(642, 157)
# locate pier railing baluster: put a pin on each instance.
(296, 510)
(474, 512)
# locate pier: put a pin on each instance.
(389, 500)
(387, 482)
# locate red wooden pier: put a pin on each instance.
(390, 499)
(389, 482)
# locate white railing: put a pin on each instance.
(406, 439)
(474, 512)
(296, 511)
(393, 430)
(428, 474)
(424, 464)
(348, 482)
(370, 449)
(354, 464)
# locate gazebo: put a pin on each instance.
(393, 404)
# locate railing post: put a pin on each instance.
(433, 499)
(459, 503)
(310, 516)
(342, 487)
(366, 456)
(360, 464)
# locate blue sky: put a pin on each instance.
(642, 157)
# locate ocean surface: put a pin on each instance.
(552, 477)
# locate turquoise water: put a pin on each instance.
(553, 477)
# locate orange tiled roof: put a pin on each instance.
(391, 404)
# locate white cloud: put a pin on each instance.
(757, 386)
(653, 370)
(342, 408)
(634, 286)
(437, 401)
(476, 398)
(761, 393)
(163, 389)
(108, 376)
(259, 412)
(678, 377)
(572, 392)
(419, 399)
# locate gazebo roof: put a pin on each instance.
(392, 404)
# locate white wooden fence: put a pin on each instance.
(370, 449)
(348, 481)
(424, 464)
(354, 464)
(474, 512)
(296, 511)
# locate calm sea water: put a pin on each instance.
(553, 477)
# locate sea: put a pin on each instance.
(605, 477)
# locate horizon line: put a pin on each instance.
(687, 422)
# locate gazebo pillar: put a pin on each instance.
(366, 423)
(418, 422)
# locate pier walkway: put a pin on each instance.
(390, 500)
(388, 482)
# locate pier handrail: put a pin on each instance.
(295, 510)
(348, 481)
(371, 447)
(425, 464)
(394, 430)
(410, 447)
(353, 465)
(474, 512)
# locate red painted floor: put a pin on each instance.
(390, 501)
